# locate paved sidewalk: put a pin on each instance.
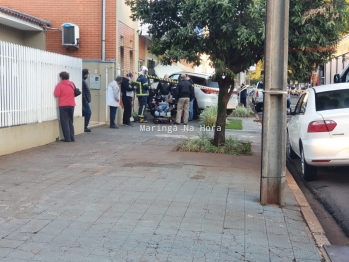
(126, 195)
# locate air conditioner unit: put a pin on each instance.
(70, 35)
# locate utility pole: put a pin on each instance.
(274, 115)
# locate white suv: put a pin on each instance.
(206, 97)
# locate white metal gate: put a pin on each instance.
(27, 80)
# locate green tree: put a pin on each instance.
(232, 33)
(315, 29)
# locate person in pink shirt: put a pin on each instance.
(64, 91)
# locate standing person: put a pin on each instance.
(142, 94)
(184, 93)
(86, 99)
(243, 95)
(66, 103)
(127, 95)
(163, 86)
(191, 103)
(113, 99)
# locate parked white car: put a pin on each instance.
(207, 97)
(318, 132)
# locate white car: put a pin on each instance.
(207, 97)
(318, 132)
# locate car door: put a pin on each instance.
(294, 124)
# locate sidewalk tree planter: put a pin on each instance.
(232, 33)
(204, 144)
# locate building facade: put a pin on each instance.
(106, 40)
(22, 29)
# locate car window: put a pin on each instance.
(299, 105)
(198, 80)
(260, 85)
(174, 77)
(331, 100)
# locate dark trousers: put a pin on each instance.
(127, 101)
(243, 101)
(112, 115)
(66, 115)
(142, 104)
(86, 112)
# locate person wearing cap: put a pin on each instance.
(86, 99)
(142, 92)
(184, 93)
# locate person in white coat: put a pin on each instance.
(113, 99)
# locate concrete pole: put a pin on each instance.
(274, 114)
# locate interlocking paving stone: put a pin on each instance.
(90, 201)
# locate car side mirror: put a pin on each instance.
(336, 78)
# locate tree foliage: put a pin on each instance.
(232, 33)
(315, 29)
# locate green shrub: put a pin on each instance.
(208, 117)
(204, 143)
(241, 111)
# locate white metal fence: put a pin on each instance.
(27, 80)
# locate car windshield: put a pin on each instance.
(331, 100)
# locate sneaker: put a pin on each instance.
(176, 123)
(87, 130)
(115, 127)
(130, 125)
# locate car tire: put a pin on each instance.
(309, 172)
(290, 150)
(229, 111)
(258, 107)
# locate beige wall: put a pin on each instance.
(11, 35)
(34, 39)
(17, 138)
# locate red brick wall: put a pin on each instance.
(86, 14)
(128, 34)
(142, 48)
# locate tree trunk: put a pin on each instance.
(223, 98)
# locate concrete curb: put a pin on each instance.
(313, 223)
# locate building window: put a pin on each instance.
(122, 55)
(151, 65)
(140, 64)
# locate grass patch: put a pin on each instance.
(241, 111)
(234, 124)
(204, 144)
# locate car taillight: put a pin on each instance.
(209, 91)
(321, 126)
(256, 93)
(235, 91)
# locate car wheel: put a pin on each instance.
(259, 108)
(309, 172)
(229, 111)
(290, 151)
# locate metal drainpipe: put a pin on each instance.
(103, 30)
